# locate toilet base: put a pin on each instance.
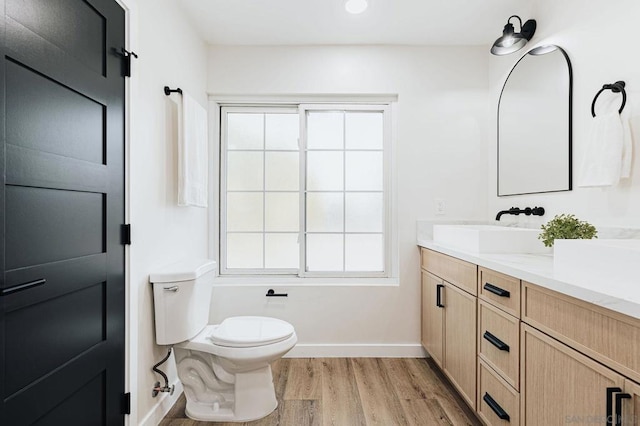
(250, 396)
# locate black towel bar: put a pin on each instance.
(617, 87)
(168, 90)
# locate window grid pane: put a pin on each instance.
(257, 238)
(357, 170)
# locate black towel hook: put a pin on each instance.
(617, 87)
(168, 90)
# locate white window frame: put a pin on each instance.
(222, 267)
(386, 150)
(386, 102)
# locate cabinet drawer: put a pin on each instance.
(500, 290)
(607, 336)
(458, 272)
(499, 342)
(496, 399)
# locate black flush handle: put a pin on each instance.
(21, 287)
(496, 290)
(503, 415)
(439, 288)
(619, 398)
(610, 392)
(271, 293)
(495, 341)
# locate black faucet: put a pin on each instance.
(536, 211)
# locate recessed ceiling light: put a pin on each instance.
(356, 6)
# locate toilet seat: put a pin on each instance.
(250, 331)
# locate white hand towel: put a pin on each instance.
(192, 154)
(601, 163)
(627, 143)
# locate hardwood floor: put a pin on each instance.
(355, 391)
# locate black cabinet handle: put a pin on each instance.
(619, 398)
(496, 290)
(439, 287)
(496, 407)
(271, 293)
(495, 341)
(21, 287)
(610, 392)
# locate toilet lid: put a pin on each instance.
(241, 332)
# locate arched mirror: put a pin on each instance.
(534, 124)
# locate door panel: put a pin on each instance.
(460, 341)
(432, 318)
(560, 385)
(75, 323)
(35, 119)
(30, 238)
(631, 406)
(51, 20)
(62, 205)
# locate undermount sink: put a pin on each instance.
(489, 239)
(609, 266)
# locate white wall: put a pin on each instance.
(170, 54)
(440, 153)
(600, 38)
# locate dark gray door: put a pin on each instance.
(62, 297)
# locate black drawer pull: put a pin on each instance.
(23, 286)
(497, 290)
(495, 341)
(272, 293)
(496, 407)
(619, 398)
(439, 288)
(610, 392)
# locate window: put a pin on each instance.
(305, 190)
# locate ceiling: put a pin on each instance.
(311, 22)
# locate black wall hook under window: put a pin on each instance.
(617, 87)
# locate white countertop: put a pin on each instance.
(538, 269)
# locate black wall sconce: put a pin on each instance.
(512, 41)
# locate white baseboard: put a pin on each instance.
(357, 351)
(162, 407)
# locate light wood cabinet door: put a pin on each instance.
(460, 341)
(432, 317)
(560, 385)
(631, 406)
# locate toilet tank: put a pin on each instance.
(181, 298)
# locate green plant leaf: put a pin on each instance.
(566, 226)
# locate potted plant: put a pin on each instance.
(566, 226)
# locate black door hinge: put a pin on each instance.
(126, 403)
(125, 232)
(126, 61)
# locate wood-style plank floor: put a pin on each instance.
(355, 391)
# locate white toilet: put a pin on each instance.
(224, 369)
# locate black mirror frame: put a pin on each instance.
(570, 136)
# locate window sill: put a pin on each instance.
(258, 280)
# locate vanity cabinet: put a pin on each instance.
(449, 319)
(522, 354)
